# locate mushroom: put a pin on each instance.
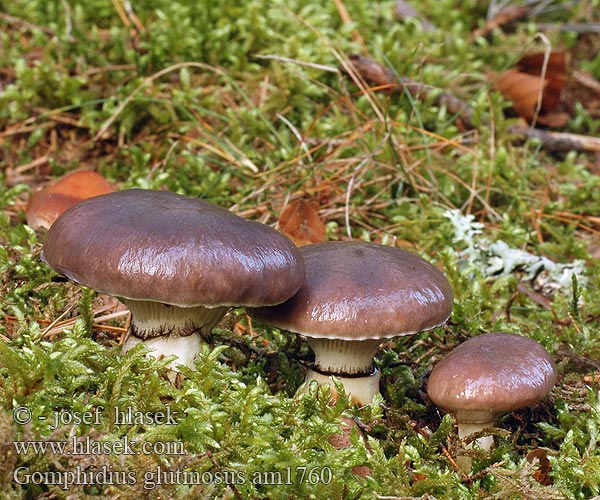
(488, 376)
(354, 296)
(44, 206)
(178, 263)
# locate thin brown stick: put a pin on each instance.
(25, 24)
(404, 10)
(508, 15)
(375, 73)
(443, 449)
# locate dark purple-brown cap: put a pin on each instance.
(491, 374)
(360, 291)
(162, 247)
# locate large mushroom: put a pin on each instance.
(178, 263)
(488, 376)
(354, 296)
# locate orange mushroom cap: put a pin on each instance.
(46, 205)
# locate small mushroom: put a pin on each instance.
(354, 296)
(44, 206)
(178, 263)
(488, 376)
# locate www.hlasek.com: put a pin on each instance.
(87, 445)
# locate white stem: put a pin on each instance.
(185, 348)
(344, 357)
(466, 429)
(351, 362)
(360, 389)
(484, 442)
(154, 319)
(168, 329)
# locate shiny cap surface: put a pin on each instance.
(496, 372)
(359, 291)
(163, 247)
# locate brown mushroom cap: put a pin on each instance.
(360, 291)
(163, 247)
(492, 374)
(45, 206)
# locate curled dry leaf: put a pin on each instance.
(45, 206)
(523, 85)
(301, 223)
(541, 475)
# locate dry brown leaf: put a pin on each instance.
(556, 67)
(520, 89)
(536, 297)
(301, 223)
(541, 475)
(522, 86)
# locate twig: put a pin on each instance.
(577, 27)
(444, 450)
(404, 10)
(558, 141)
(25, 24)
(32, 164)
(503, 17)
(231, 485)
(375, 73)
(57, 320)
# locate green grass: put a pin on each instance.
(226, 101)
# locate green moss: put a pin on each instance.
(185, 103)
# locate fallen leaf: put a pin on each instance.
(301, 223)
(521, 89)
(556, 67)
(523, 85)
(541, 475)
(536, 297)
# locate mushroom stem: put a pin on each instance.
(351, 361)
(466, 429)
(185, 348)
(485, 442)
(170, 329)
(361, 389)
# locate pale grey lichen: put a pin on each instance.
(496, 258)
